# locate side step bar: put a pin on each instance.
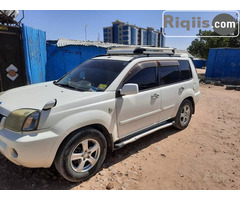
(119, 144)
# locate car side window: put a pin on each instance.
(145, 78)
(168, 75)
(185, 69)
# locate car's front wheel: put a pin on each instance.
(81, 155)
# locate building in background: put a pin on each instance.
(127, 34)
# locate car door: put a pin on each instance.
(141, 110)
(171, 87)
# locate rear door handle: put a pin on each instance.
(154, 96)
(181, 90)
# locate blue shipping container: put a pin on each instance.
(61, 60)
(199, 63)
(224, 64)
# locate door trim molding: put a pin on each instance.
(139, 117)
(168, 107)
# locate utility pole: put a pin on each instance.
(85, 32)
(98, 38)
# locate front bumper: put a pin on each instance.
(36, 149)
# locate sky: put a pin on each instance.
(70, 24)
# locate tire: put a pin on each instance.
(81, 155)
(184, 115)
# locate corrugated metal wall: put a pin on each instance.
(61, 60)
(223, 63)
(34, 43)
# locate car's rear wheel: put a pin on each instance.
(81, 155)
(184, 114)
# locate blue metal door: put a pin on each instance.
(34, 43)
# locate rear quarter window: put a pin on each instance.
(185, 70)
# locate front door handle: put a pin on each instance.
(154, 96)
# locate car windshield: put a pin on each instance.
(93, 75)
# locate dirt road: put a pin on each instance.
(205, 155)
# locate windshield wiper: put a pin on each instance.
(70, 86)
(67, 86)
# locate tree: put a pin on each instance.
(200, 46)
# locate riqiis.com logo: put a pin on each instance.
(193, 23)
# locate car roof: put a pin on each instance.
(142, 53)
(122, 58)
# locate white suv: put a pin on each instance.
(101, 105)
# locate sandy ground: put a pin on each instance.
(203, 156)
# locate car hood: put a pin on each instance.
(37, 95)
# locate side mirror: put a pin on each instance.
(129, 88)
(50, 104)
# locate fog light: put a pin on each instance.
(14, 153)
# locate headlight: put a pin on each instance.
(31, 122)
(22, 120)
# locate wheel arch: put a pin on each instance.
(98, 127)
(192, 101)
(106, 134)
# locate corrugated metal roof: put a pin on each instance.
(62, 42)
(66, 42)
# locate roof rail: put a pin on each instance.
(140, 50)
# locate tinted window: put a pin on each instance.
(185, 70)
(145, 78)
(168, 75)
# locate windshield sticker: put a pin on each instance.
(102, 86)
(94, 89)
